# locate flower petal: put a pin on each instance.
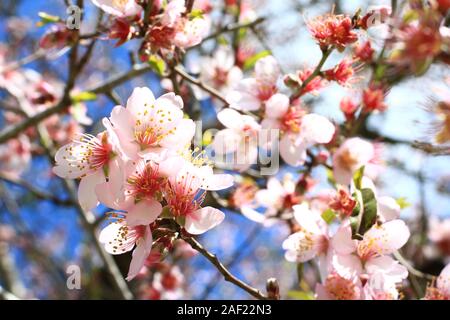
(143, 213)
(203, 220)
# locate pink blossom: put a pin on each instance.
(118, 237)
(333, 30)
(337, 287)
(315, 240)
(169, 283)
(15, 156)
(91, 158)
(342, 73)
(279, 195)
(184, 197)
(219, 72)
(370, 261)
(441, 291)
(138, 190)
(172, 12)
(351, 155)
(149, 126)
(238, 138)
(190, 32)
(250, 93)
(383, 239)
(299, 131)
(118, 7)
(439, 233)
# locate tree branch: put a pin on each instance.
(223, 270)
(35, 191)
(14, 131)
(179, 70)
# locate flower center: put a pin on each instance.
(291, 120)
(91, 151)
(182, 195)
(265, 91)
(220, 77)
(347, 160)
(340, 288)
(120, 3)
(145, 182)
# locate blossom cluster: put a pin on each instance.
(142, 167)
(161, 189)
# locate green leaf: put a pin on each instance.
(84, 96)
(222, 40)
(207, 138)
(158, 65)
(403, 203)
(249, 63)
(363, 219)
(380, 71)
(330, 177)
(357, 177)
(357, 207)
(181, 220)
(354, 221)
(422, 66)
(369, 217)
(300, 295)
(166, 213)
(328, 215)
(195, 13)
(47, 18)
(300, 272)
(410, 16)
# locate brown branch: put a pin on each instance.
(223, 270)
(432, 149)
(179, 70)
(236, 257)
(35, 191)
(19, 63)
(6, 295)
(89, 223)
(231, 28)
(14, 131)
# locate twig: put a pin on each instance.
(316, 72)
(411, 269)
(14, 131)
(88, 220)
(200, 84)
(6, 295)
(236, 257)
(223, 270)
(35, 191)
(19, 63)
(432, 149)
(232, 28)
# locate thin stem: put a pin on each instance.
(237, 256)
(88, 220)
(35, 191)
(19, 63)
(14, 131)
(6, 295)
(179, 70)
(411, 269)
(316, 72)
(223, 270)
(232, 28)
